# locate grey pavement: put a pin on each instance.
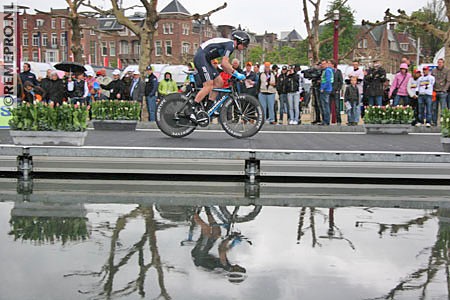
(272, 137)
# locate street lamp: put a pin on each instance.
(336, 35)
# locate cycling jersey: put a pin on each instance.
(209, 50)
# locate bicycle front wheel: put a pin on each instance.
(241, 117)
(172, 116)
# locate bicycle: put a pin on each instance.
(241, 116)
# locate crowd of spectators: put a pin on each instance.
(84, 88)
(282, 93)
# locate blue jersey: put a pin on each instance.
(217, 47)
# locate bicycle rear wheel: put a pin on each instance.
(172, 116)
(241, 117)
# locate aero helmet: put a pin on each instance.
(241, 37)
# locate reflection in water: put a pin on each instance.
(212, 243)
(111, 269)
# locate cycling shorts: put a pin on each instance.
(205, 69)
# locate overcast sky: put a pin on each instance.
(259, 15)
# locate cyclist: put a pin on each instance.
(208, 51)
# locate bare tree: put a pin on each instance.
(313, 24)
(403, 18)
(145, 30)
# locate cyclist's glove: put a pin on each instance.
(238, 75)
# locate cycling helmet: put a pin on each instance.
(241, 37)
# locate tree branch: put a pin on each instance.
(329, 15)
(101, 12)
(329, 39)
(52, 14)
(208, 14)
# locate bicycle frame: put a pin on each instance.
(218, 103)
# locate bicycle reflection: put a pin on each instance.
(218, 233)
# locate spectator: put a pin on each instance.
(425, 91)
(293, 95)
(275, 69)
(45, 83)
(55, 89)
(301, 85)
(167, 86)
(375, 78)
(26, 75)
(151, 88)
(326, 87)
(127, 80)
(78, 89)
(267, 90)
(282, 94)
(249, 86)
(398, 89)
(359, 73)
(236, 65)
(90, 79)
(411, 88)
(335, 96)
(32, 93)
(352, 98)
(257, 73)
(386, 89)
(137, 90)
(116, 87)
(442, 76)
(96, 94)
(105, 80)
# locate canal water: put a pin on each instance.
(58, 244)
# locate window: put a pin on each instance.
(54, 39)
(92, 32)
(25, 39)
(104, 47)
(112, 48)
(362, 44)
(108, 24)
(124, 47)
(63, 39)
(39, 23)
(51, 56)
(53, 23)
(63, 23)
(168, 48)
(93, 51)
(186, 28)
(158, 48)
(35, 56)
(25, 56)
(44, 39)
(25, 24)
(185, 48)
(35, 41)
(195, 46)
(168, 28)
(404, 46)
(136, 47)
(208, 32)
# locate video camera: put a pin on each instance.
(312, 73)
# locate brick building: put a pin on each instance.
(47, 39)
(384, 43)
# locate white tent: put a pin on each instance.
(439, 54)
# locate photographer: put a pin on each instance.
(313, 75)
(375, 78)
(326, 87)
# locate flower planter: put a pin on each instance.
(445, 143)
(48, 138)
(388, 128)
(120, 125)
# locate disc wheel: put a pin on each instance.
(172, 116)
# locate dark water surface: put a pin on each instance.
(85, 250)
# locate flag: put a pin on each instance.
(119, 64)
(106, 61)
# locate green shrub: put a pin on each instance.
(388, 115)
(116, 110)
(48, 229)
(445, 123)
(48, 117)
